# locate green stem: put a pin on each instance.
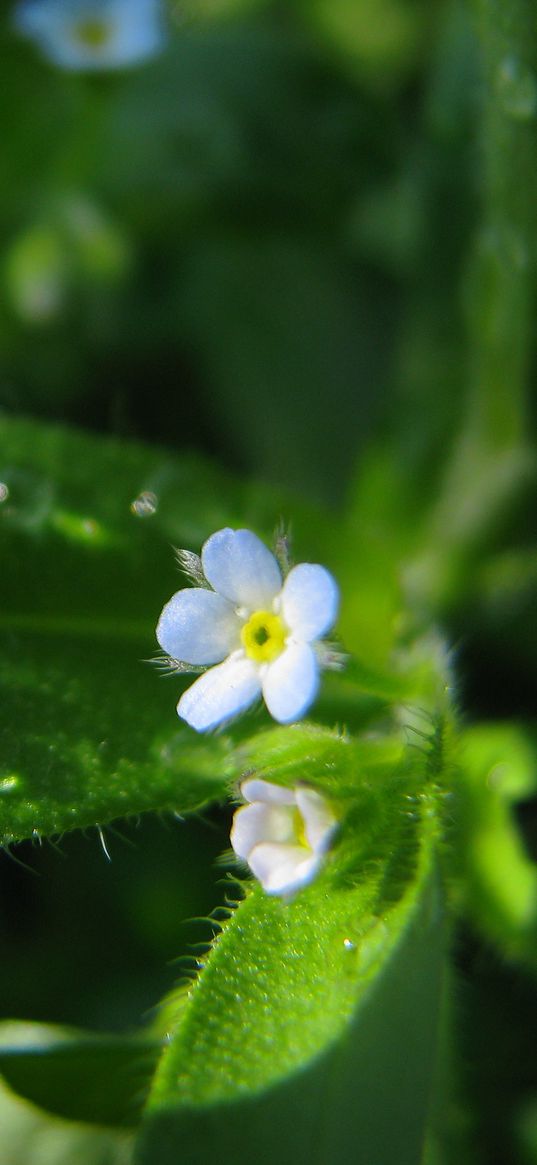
(502, 290)
(77, 161)
(491, 462)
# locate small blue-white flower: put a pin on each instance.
(283, 834)
(93, 34)
(260, 633)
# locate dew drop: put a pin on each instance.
(4, 491)
(516, 88)
(349, 945)
(145, 504)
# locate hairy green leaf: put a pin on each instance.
(291, 1044)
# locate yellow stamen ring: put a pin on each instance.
(263, 636)
(92, 33)
(300, 830)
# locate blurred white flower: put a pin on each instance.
(283, 834)
(261, 635)
(93, 34)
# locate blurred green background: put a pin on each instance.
(220, 248)
(256, 245)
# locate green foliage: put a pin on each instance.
(301, 223)
(30, 1135)
(101, 1080)
(85, 734)
(345, 975)
(377, 42)
(498, 769)
(87, 567)
(75, 637)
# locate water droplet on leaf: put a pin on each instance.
(145, 504)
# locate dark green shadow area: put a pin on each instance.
(101, 1080)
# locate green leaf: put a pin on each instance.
(291, 1044)
(89, 730)
(332, 759)
(32, 1137)
(97, 1079)
(379, 43)
(500, 880)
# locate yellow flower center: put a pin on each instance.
(92, 33)
(263, 636)
(300, 829)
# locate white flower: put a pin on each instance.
(93, 34)
(261, 635)
(283, 834)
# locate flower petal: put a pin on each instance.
(198, 627)
(259, 823)
(310, 600)
(221, 693)
(319, 821)
(132, 30)
(291, 682)
(256, 789)
(240, 567)
(282, 869)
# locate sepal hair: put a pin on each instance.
(190, 565)
(283, 547)
(172, 667)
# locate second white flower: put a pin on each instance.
(283, 834)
